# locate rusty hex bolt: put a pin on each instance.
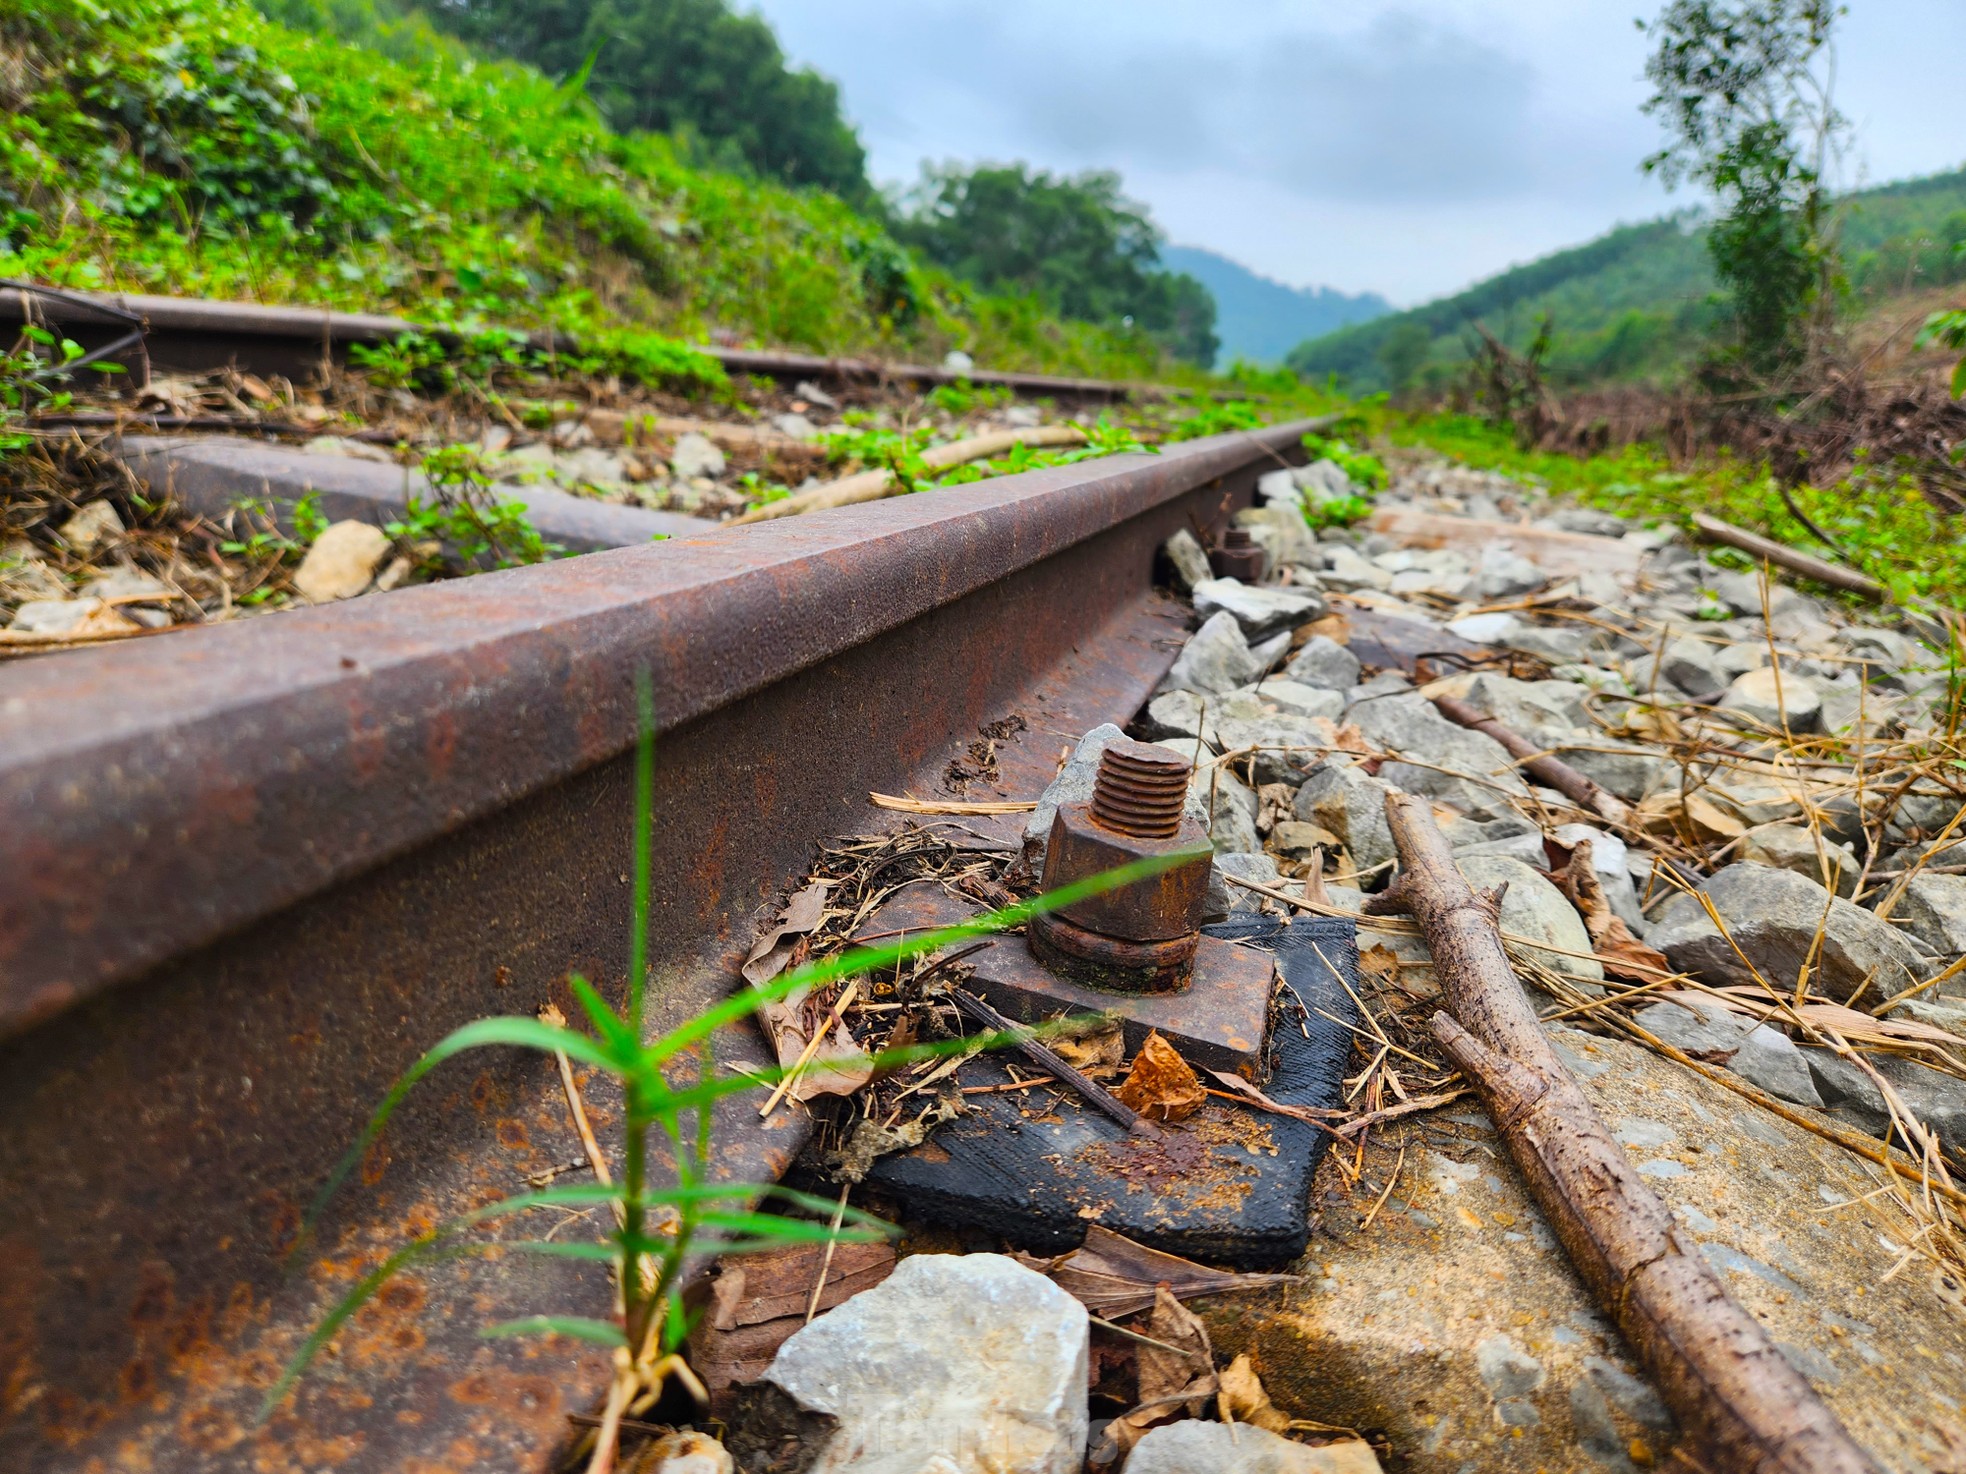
(1139, 937)
(1238, 555)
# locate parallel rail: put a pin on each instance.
(251, 870)
(192, 335)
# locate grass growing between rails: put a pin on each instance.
(189, 146)
(661, 1230)
(1888, 527)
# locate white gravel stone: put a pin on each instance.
(1339, 797)
(1533, 907)
(91, 527)
(1190, 562)
(1259, 609)
(695, 455)
(1192, 1446)
(1773, 917)
(956, 1363)
(1324, 663)
(1216, 659)
(1503, 574)
(1763, 695)
(1933, 909)
(1347, 571)
(341, 562)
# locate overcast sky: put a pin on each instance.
(1406, 148)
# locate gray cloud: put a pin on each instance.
(1402, 109)
(1403, 145)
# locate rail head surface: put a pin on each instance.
(162, 793)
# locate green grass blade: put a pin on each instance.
(435, 1244)
(598, 1253)
(766, 1225)
(613, 1029)
(638, 934)
(723, 1247)
(886, 1059)
(746, 1001)
(601, 1332)
(365, 1289)
(522, 1033)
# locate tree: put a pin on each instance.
(688, 67)
(1077, 244)
(1743, 88)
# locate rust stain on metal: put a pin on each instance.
(248, 840)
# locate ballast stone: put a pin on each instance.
(1189, 560)
(342, 562)
(1192, 1446)
(956, 1363)
(1933, 909)
(1216, 659)
(1765, 695)
(1324, 663)
(695, 455)
(1535, 909)
(1772, 915)
(1259, 609)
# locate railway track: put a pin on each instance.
(252, 870)
(189, 335)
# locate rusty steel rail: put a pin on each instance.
(195, 335)
(251, 870)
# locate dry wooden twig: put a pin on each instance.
(1096, 1095)
(1550, 771)
(1783, 556)
(1740, 1402)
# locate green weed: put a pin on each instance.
(190, 146)
(465, 521)
(659, 1230)
(1891, 530)
(1362, 467)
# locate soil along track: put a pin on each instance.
(253, 870)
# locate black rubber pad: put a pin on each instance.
(1230, 1185)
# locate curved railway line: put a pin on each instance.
(251, 870)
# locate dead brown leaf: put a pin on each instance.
(801, 914)
(1623, 955)
(1245, 1401)
(1098, 1054)
(1112, 1276)
(788, 1022)
(1709, 818)
(758, 1300)
(1167, 1373)
(1162, 1086)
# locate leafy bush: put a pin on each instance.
(1364, 468)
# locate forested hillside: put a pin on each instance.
(1635, 304)
(173, 146)
(693, 69)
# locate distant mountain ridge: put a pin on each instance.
(1262, 320)
(1634, 305)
